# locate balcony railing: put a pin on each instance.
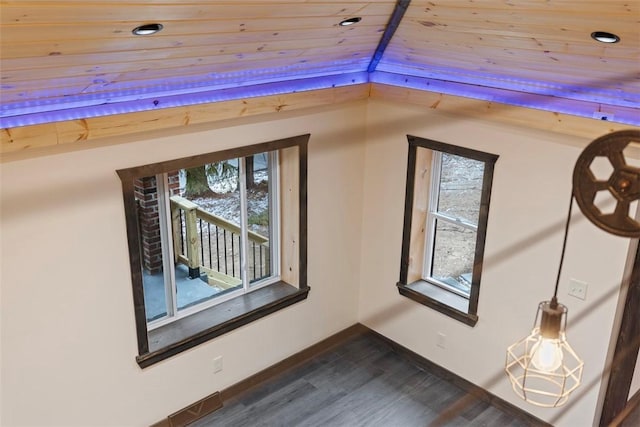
(209, 244)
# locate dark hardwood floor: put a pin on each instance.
(362, 382)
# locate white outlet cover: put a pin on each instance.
(578, 289)
(217, 364)
(440, 342)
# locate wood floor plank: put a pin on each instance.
(363, 382)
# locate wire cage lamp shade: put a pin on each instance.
(542, 367)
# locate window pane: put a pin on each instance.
(460, 187)
(453, 253)
(208, 247)
(259, 217)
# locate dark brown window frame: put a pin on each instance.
(229, 315)
(406, 289)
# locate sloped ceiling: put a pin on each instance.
(73, 54)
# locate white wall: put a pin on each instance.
(531, 190)
(68, 336)
(635, 380)
(67, 324)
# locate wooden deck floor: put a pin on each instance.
(363, 382)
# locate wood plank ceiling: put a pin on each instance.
(530, 45)
(65, 54)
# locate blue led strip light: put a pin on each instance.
(541, 101)
(85, 110)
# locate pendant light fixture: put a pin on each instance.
(542, 367)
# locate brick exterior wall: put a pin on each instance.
(146, 193)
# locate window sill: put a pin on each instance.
(185, 333)
(445, 302)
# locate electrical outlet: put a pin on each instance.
(217, 364)
(578, 289)
(441, 340)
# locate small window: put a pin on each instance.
(446, 211)
(206, 235)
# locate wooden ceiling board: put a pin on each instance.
(509, 59)
(518, 12)
(150, 62)
(31, 13)
(225, 75)
(307, 27)
(502, 42)
(537, 45)
(495, 69)
(164, 59)
(598, 7)
(60, 52)
(70, 49)
(617, 85)
(197, 44)
(460, 31)
(210, 65)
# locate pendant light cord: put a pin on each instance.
(554, 300)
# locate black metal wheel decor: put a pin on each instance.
(619, 188)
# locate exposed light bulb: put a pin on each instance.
(546, 354)
(542, 367)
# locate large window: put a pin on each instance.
(209, 233)
(446, 210)
(215, 241)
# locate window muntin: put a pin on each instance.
(446, 211)
(218, 235)
(193, 325)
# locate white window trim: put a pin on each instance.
(169, 273)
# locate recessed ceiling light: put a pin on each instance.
(147, 29)
(350, 21)
(604, 37)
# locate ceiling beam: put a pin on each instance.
(390, 30)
